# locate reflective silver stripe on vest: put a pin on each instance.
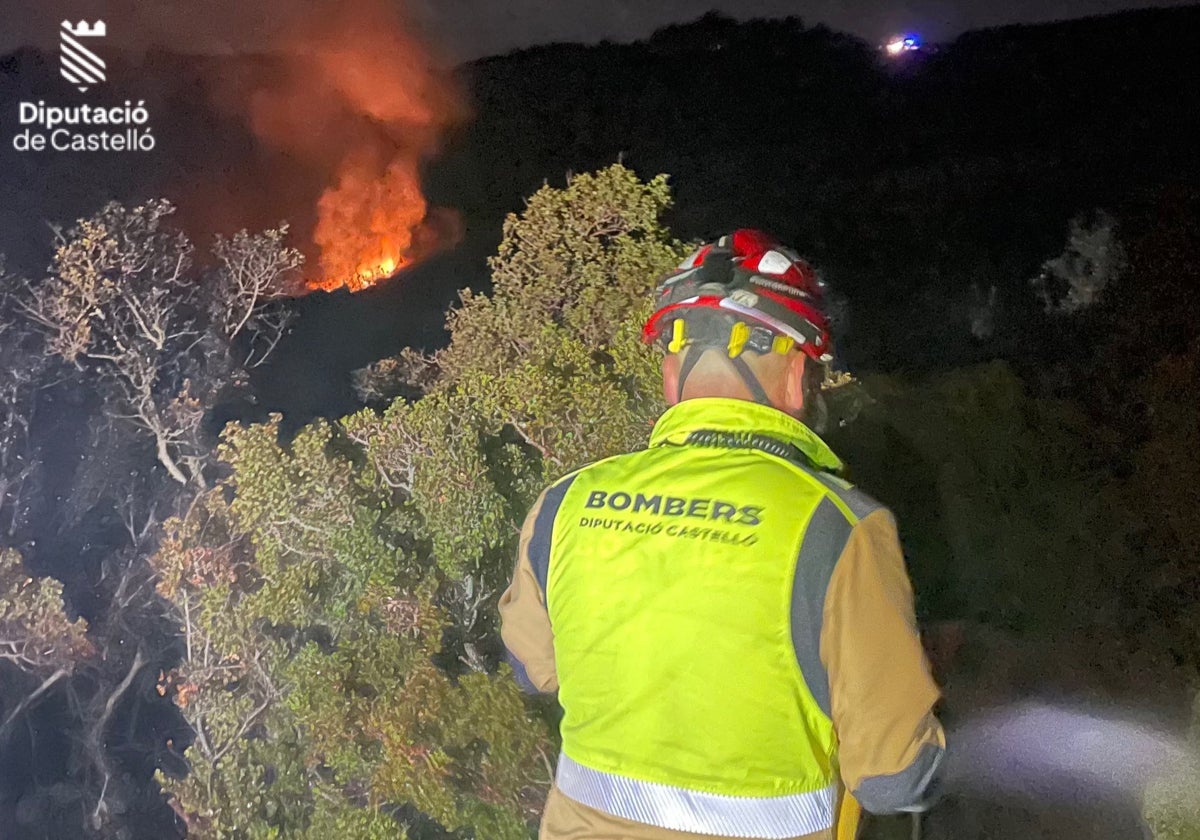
(678, 809)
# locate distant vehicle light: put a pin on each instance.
(902, 44)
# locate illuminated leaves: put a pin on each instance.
(583, 258)
(34, 631)
(1093, 259)
(338, 589)
(255, 271)
(542, 376)
(23, 363)
(311, 627)
(123, 306)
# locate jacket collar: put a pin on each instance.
(741, 417)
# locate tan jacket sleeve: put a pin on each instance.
(881, 690)
(524, 622)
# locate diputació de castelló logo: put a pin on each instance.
(83, 128)
(76, 62)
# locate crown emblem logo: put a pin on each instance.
(77, 63)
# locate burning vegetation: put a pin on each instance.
(365, 224)
(359, 98)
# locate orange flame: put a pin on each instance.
(360, 98)
(365, 224)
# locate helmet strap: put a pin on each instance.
(750, 380)
(744, 372)
(685, 369)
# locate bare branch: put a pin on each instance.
(254, 271)
(30, 699)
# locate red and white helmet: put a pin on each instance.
(748, 275)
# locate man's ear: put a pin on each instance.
(794, 395)
(670, 375)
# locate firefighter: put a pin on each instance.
(729, 625)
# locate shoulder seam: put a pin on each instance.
(854, 503)
(828, 492)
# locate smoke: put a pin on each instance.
(344, 99)
(347, 90)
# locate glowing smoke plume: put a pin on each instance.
(358, 97)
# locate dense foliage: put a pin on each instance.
(338, 589)
(114, 360)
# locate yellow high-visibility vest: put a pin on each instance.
(673, 580)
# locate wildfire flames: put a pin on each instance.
(359, 98)
(365, 224)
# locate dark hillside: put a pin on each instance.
(957, 167)
(905, 182)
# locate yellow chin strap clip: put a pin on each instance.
(738, 337)
(678, 336)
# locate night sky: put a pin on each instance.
(472, 28)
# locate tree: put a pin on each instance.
(549, 366)
(338, 591)
(123, 305)
(1163, 587)
(23, 364)
(989, 482)
(40, 649)
(35, 634)
(313, 630)
(121, 302)
(255, 272)
(126, 323)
